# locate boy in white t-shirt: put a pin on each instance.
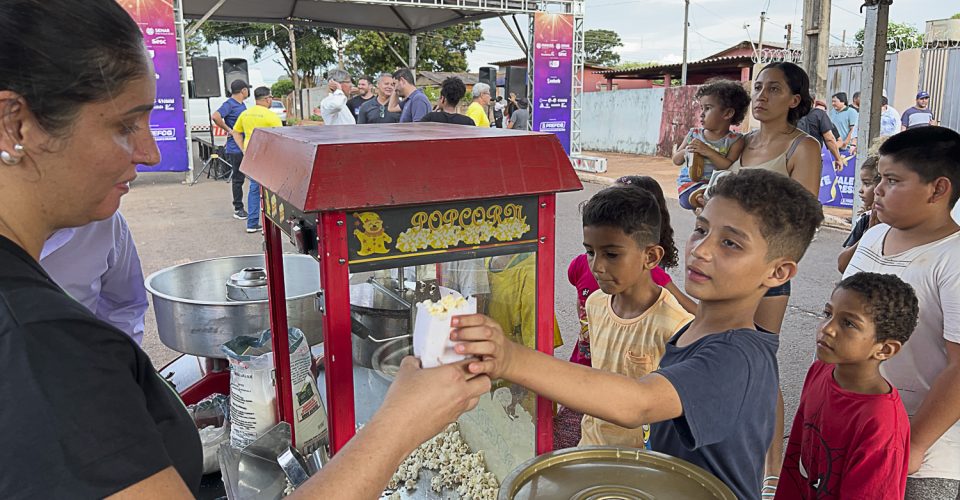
(919, 241)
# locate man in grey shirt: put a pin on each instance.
(377, 110)
(520, 119)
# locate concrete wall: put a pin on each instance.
(907, 79)
(624, 121)
(680, 114)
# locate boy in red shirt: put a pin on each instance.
(850, 438)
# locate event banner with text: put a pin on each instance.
(836, 184)
(553, 74)
(167, 123)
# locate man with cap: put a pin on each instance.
(919, 115)
(225, 117)
(256, 117)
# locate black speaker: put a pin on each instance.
(234, 69)
(206, 80)
(488, 75)
(516, 81)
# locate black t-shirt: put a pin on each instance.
(444, 117)
(83, 413)
(817, 123)
(856, 232)
(354, 105)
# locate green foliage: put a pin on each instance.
(196, 46)
(314, 50)
(955, 16)
(599, 46)
(899, 36)
(282, 88)
(445, 49)
(432, 93)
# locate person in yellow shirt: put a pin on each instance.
(478, 108)
(256, 117)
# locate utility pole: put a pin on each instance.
(871, 85)
(816, 43)
(339, 48)
(412, 53)
(789, 28)
(763, 19)
(296, 72)
(686, 28)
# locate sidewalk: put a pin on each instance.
(665, 172)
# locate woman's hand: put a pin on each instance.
(483, 337)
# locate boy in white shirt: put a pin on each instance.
(918, 241)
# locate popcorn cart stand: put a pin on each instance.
(397, 214)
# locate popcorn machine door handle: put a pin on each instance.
(359, 328)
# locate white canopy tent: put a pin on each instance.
(405, 16)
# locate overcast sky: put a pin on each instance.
(652, 30)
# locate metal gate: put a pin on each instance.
(940, 76)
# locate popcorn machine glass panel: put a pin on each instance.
(383, 320)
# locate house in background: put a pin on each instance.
(592, 82)
(732, 63)
(436, 78)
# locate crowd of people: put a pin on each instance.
(691, 373)
(397, 99)
(878, 416)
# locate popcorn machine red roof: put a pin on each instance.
(397, 214)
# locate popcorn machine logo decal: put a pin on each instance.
(388, 234)
(373, 239)
(473, 226)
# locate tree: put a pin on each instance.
(955, 16)
(196, 46)
(899, 36)
(282, 88)
(315, 52)
(599, 46)
(371, 52)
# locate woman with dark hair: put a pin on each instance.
(781, 96)
(84, 414)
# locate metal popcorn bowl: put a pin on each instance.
(600, 472)
(196, 316)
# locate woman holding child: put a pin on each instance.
(781, 96)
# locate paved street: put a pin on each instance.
(173, 224)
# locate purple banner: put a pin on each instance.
(553, 74)
(837, 187)
(167, 123)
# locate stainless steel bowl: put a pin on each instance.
(195, 317)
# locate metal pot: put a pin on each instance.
(386, 359)
(377, 317)
(194, 315)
